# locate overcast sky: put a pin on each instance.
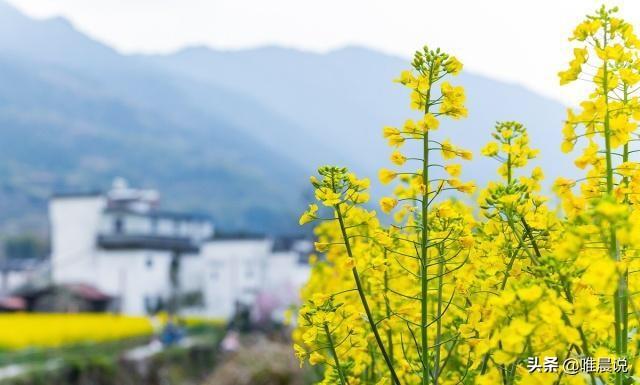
(518, 41)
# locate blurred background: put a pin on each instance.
(154, 159)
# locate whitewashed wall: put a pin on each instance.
(284, 277)
(74, 224)
(234, 270)
(132, 276)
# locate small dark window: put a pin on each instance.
(149, 262)
(118, 225)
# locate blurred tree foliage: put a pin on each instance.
(24, 247)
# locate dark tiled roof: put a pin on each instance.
(76, 194)
(147, 242)
(162, 214)
(13, 303)
(229, 236)
(87, 291)
(81, 290)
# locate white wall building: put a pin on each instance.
(122, 244)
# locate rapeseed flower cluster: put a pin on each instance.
(443, 292)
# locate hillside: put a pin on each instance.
(345, 97)
(68, 123)
(230, 133)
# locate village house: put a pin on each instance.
(145, 259)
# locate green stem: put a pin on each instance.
(363, 299)
(613, 243)
(623, 284)
(424, 262)
(509, 171)
(424, 257)
(436, 360)
(388, 310)
(336, 360)
(373, 364)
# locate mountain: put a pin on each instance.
(345, 97)
(231, 133)
(76, 121)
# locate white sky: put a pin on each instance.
(517, 41)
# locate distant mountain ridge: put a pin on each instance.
(76, 121)
(232, 133)
(349, 94)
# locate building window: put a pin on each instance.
(118, 225)
(149, 262)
